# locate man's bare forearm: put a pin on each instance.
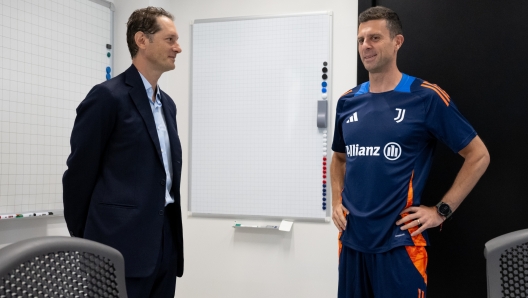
(475, 164)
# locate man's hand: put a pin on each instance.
(338, 216)
(422, 217)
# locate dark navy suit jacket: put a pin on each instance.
(114, 187)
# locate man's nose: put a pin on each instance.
(365, 44)
(177, 49)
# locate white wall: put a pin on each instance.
(14, 230)
(219, 260)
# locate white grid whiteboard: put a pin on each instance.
(52, 53)
(255, 146)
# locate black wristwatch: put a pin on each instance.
(444, 210)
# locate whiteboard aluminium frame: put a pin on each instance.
(110, 6)
(329, 118)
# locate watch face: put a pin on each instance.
(444, 209)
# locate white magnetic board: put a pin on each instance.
(255, 148)
(52, 53)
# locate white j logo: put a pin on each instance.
(401, 115)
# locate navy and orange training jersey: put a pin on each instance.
(389, 139)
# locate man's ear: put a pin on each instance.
(399, 41)
(141, 39)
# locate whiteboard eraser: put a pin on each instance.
(286, 226)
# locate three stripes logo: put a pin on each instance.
(421, 293)
(392, 151)
(353, 118)
(401, 115)
(443, 95)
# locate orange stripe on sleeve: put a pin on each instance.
(346, 93)
(438, 89)
(439, 94)
(445, 97)
(443, 92)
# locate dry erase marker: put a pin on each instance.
(4, 216)
(43, 213)
(244, 226)
(237, 225)
(26, 215)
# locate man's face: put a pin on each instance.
(162, 47)
(376, 49)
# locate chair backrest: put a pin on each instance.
(507, 265)
(61, 267)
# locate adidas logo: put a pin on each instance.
(353, 118)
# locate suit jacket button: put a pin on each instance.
(162, 181)
(161, 212)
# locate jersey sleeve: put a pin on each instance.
(445, 122)
(338, 145)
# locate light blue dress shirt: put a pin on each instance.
(163, 136)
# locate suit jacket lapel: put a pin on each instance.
(139, 96)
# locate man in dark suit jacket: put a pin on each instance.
(122, 185)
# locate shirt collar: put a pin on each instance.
(148, 88)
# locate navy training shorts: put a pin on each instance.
(400, 272)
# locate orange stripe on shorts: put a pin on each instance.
(419, 257)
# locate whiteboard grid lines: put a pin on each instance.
(256, 148)
(54, 53)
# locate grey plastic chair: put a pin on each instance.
(61, 267)
(507, 265)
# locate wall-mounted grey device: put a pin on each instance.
(322, 113)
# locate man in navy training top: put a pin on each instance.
(122, 186)
(385, 134)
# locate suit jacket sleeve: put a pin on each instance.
(93, 127)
